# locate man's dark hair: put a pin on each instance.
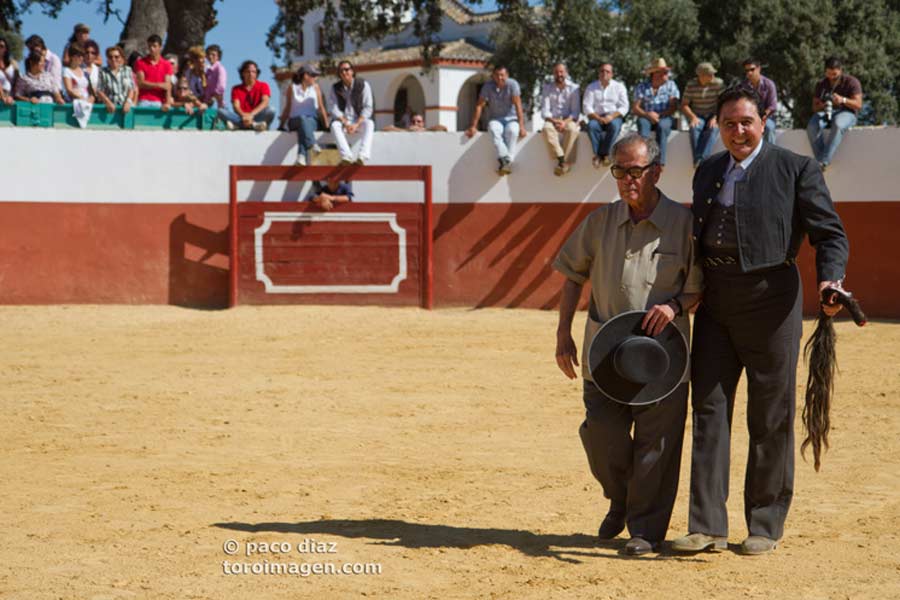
(92, 45)
(345, 62)
(833, 62)
(154, 39)
(35, 40)
(245, 65)
(603, 62)
(215, 48)
(751, 61)
(500, 67)
(33, 59)
(736, 91)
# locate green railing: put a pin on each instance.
(26, 114)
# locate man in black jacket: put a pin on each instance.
(753, 205)
(351, 106)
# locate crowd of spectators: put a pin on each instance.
(197, 81)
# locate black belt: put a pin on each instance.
(714, 262)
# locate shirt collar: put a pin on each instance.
(658, 217)
(745, 164)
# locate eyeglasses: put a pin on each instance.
(633, 172)
(342, 69)
(90, 51)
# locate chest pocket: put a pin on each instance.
(665, 269)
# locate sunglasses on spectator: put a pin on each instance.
(633, 172)
(90, 52)
(346, 69)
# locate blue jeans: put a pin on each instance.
(825, 140)
(266, 116)
(603, 136)
(663, 128)
(703, 138)
(770, 129)
(505, 134)
(306, 132)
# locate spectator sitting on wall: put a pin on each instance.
(506, 121)
(768, 94)
(36, 85)
(153, 73)
(561, 109)
(326, 194)
(351, 106)
(655, 104)
(9, 72)
(52, 64)
(75, 79)
(605, 104)
(90, 66)
(195, 72)
(416, 123)
(836, 101)
(699, 106)
(117, 82)
(81, 34)
(184, 97)
(303, 107)
(250, 101)
(216, 77)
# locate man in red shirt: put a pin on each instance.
(250, 100)
(154, 77)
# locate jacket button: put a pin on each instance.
(701, 219)
(718, 184)
(709, 200)
(695, 238)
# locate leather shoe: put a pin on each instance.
(637, 546)
(698, 542)
(612, 525)
(757, 544)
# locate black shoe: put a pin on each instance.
(612, 525)
(637, 546)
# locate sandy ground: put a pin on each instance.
(138, 442)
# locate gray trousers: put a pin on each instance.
(753, 322)
(639, 472)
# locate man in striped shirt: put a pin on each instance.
(699, 106)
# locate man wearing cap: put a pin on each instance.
(605, 104)
(699, 106)
(655, 103)
(836, 102)
(638, 255)
(768, 94)
(560, 109)
(753, 204)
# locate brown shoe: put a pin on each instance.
(757, 544)
(698, 542)
(637, 546)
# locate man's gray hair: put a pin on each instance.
(630, 139)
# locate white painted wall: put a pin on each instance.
(187, 167)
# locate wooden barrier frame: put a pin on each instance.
(349, 173)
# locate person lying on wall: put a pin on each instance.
(331, 192)
(416, 123)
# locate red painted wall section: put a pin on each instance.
(62, 253)
(485, 254)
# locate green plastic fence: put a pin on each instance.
(26, 114)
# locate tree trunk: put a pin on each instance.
(145, 18)
(189, 20)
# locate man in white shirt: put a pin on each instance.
(605, 105)
(560, 109)
(351, 106)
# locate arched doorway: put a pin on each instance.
(410, 97)
(466, 101)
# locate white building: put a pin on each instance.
(445, 94)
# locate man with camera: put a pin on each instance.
(836, 102)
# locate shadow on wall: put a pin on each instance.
(196, 283)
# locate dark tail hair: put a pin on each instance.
(819, 354)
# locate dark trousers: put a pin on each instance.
(639, 473)
(753, 322)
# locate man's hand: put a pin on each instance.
(522, 132)
(351, 128)
(126, 107)
(166, 106)
(566, 354)
(694, 121)
(470, 132)
(653, 116)
(604, 119)
(829, 309)
(657, 318)
(712, 123)
(110, 107)
(559, 124)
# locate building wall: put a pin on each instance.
(148, 222)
